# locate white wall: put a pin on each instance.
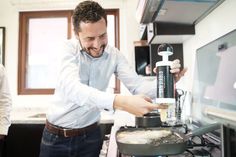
(219, 22)
(9, 18)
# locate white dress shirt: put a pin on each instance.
(5, 102)
(80, 92)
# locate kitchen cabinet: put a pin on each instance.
(169, 32)
(142, 57)
(171, 21)
(24, 139)
(174, 11)
(147, 55)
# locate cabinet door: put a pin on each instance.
(23, 140)
(154, 57)
(142, 55)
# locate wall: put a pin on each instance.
(9, 18)
(219, 22)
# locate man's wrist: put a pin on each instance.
(118, 102)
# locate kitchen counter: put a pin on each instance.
(38, 116)
(28, 125)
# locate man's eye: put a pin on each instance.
(90, 39)
(103, 36)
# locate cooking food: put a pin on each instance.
(170, 139)
(142, 136)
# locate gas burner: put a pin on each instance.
(194, 153)
(184, 154)
(200, 153)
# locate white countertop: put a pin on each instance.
(122, 118)
(38, 116)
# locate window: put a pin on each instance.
(40, 33)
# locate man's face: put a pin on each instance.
(93, 37)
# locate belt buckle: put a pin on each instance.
(64, 133)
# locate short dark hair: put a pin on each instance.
(87, 11)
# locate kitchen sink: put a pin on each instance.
(38, 115)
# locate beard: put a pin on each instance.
(89, 49)
(95, 54)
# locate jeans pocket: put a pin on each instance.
(49, 138)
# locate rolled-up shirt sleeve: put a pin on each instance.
(135, 84)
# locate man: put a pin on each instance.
(5, 107)
(87, 64)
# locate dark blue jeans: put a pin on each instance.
(86, 145)
(1, 147)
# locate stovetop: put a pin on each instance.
(197, 146)
(201, 146)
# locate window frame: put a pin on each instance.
(23, 46)
(115, 12)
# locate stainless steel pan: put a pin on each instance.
(163, 147)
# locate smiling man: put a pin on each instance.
(87, 64)
(94, 38)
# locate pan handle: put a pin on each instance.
(203, 130)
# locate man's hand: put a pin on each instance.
(137, 104)
(175, 70)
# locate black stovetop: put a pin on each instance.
(207, 145)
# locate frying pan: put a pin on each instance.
(168, 148)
